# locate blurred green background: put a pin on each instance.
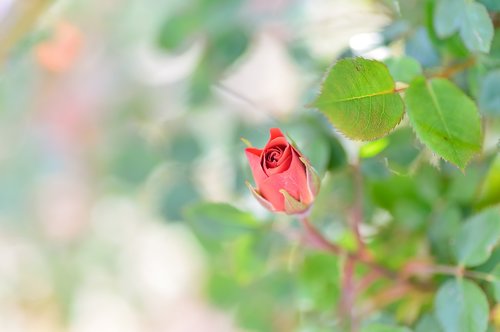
(123, 204)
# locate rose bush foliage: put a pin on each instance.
(404, 234)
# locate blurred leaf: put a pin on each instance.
(184, 148)
(428, 323)
(430, 184)
(338, 157)
(220, 221)
(463, 188)
(448, 16)
(358, 96)
(403, 69)
(477, 28)
(179, 30)
(134, 159)
(445, 119)
(402, 150)
(222, 50)
(319, 280)
(493, 58)
(223, 290)
(471, 19)
(220, 15)
(396, 29)
(461, 306)
(410, 214)
(372, 149)
(475, 76)
(384, 328)
(477, 237)
(387, 193)
(375, 169)
(201, 84)
(490, 188)
(246, 264)
(315, 138)
(419, 46)
(178, 194)
(225, 47)
(261, 306)
(444, 227)
(489, 95)
(492, 5)
(496, 283)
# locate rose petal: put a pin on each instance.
(284, 159)
(275, 132)
(276, 142)
(282, 166)
(293, 180)
(254, 157)
(265, 203)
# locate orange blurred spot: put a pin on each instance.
(59, 53)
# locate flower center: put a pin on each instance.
(273, 156)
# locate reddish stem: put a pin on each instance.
(346, 305)
(317, 240)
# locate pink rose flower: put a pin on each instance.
(285, 180)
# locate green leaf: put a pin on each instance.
(447, 17)
(358, 97)
(220, 221)
(420, 46)
(489, 95)
(443, 229)
(134, 159)
(477, 28)
(372, 149)
(490, 189)
(226, 47)
(471, 19)
(384, 328)
(492, 5)
(180, 192)
(461, 306)
(179, 30)
(476, 238)
(444, 119)
(404, 69)
(319, 284)
(496, 283)
(428, 323)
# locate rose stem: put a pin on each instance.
(357, 208)
(349, 288)
(446, 72)
(459, 271)
(346, 304)
(317, 240)
(455, 69)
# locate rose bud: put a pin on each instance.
(285, 180)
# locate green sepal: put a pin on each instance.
(293, 206)
(313, 179)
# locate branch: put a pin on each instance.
(457, 271)
(455, 69)
(317, 240)
(346, 305)
(357, 208)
